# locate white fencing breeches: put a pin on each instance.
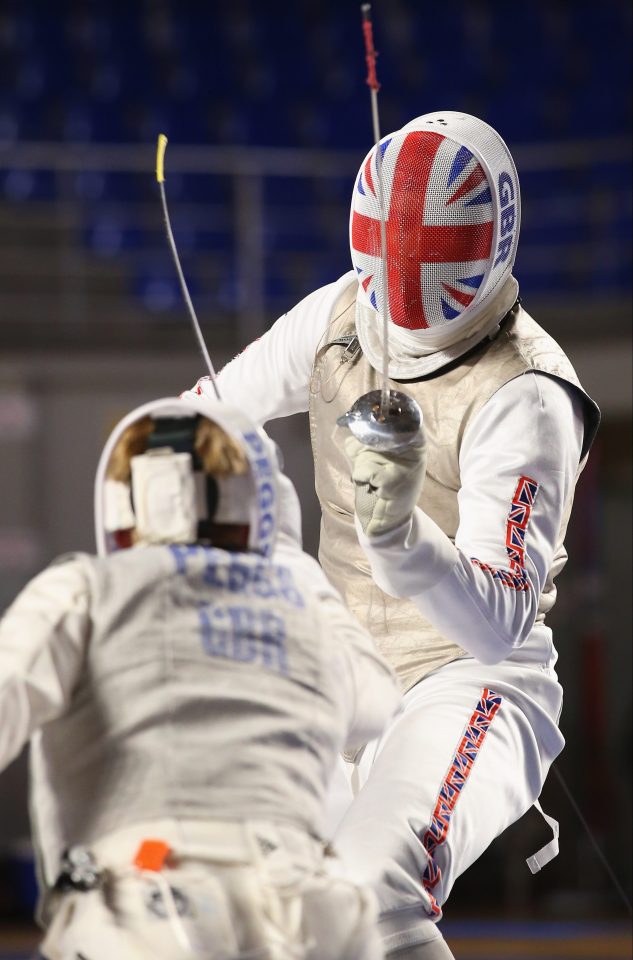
(251, 891)
(466, 757)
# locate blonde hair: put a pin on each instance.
(131, 443)
(220, 455)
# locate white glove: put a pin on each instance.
(387, 486)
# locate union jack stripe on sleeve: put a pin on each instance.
(516, 528)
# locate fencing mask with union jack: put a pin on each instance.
(452, 213)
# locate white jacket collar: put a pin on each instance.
(408, 359)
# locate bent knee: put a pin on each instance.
(409, 935)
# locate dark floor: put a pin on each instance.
(469, 940)
(473, 940)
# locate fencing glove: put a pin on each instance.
(387, 486)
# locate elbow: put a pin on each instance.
(393, 700)
(386, 696)
(495, 645)
(386, 702)
(492, 650)
(490, 655)
(490, 646)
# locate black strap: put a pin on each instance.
(175, 432)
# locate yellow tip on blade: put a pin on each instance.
(160, 157)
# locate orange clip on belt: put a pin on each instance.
(151, 855)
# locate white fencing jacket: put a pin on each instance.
(183, 682)
(532, 426)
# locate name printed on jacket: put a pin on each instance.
(250, 577)
(244, 634)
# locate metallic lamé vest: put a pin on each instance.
(449, 399)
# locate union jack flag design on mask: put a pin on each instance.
(439, 228)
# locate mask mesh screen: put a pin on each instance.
(439, 227)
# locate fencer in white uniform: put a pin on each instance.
(186, 694)
(451, 557)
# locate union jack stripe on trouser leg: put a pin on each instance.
(466, 758)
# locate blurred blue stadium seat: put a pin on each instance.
(156, 285)
(283, 75)
(20, 186)
(111, 231)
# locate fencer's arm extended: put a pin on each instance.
(371, 696)
(532, 428)
(271, 377)
(359, 679)
(42, 640)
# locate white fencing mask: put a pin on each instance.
(452, 214)
(168, 498)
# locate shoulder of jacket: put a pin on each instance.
(528, 347)
(76, 557)
(343, 306)
(530, 339)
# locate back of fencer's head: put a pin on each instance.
(189, 471)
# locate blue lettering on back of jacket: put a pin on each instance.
(237, 630)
